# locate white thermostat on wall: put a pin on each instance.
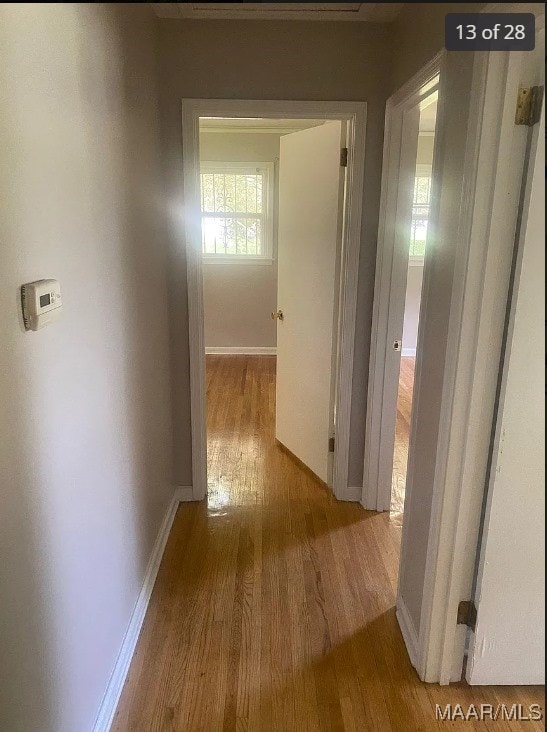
(41, 302)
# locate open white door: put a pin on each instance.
(310, 194)
(508, 645)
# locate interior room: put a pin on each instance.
(418, 241)
(250, 196)
(240, 289)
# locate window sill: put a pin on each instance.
(236, 260)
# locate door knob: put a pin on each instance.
(397, 345)
(278, 315)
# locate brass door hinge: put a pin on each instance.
(467, 614)
(331, 444)
(529, 99)
(343, 157)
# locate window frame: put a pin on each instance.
(423, 170)
(267, 169)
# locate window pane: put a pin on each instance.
(241, 193)
(232, 235)
(207, 192)
(249, 237)
(219, 183)
(259, 208)
(230, 193)
(232, 204)
(252, 195)
(421, 189)
(229, 236)
(420, 230)
(213, 235)
(420, 215)
(417, 249)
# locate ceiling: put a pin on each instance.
(371, 12)
(257, 125)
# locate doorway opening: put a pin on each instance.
(272, 216)
(419, 218)
(256, 239)
(408, 206)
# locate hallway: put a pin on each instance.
(273, 609)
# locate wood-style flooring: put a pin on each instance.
(402, 431)
(273, 610)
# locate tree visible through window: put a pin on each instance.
(235, 210)
(420, 215)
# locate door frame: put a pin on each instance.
(354, 113)
(488, 219)
(492, 172)
(482, 666)
(492, 176)
(380, 426)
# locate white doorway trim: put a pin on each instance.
(492, 175)
(380, 422)
(493, 171)
(354, 113)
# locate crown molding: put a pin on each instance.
(352, 12)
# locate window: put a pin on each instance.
(236, 211)
(420, 213)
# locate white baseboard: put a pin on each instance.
(408, 352)
(184, 493)
(408, 630)
(117, 679)
(242, 350)
(351, 493)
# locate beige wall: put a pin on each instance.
(412, 307)
(238, 298)
(415, 272)
(85, 436)
(238, 146)
(419, 35)
(424, 153)
(273, 60)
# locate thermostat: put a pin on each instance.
(41, 302)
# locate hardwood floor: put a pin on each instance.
(273, 609)
(402, 431)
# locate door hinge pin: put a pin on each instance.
(467, 614)
(529, 99)
(344, 157)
